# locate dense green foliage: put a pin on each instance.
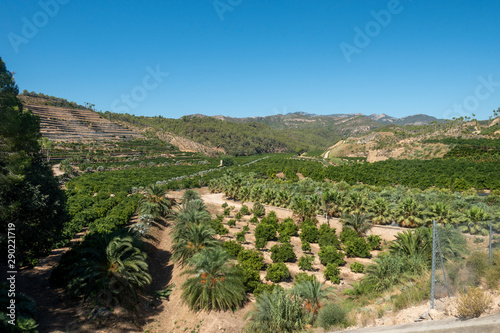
(283, 253)
(276, 311)
(215, 284)
(105, 268)
(277, 272)
(32, 207)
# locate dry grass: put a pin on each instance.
(473, 303)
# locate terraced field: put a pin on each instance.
(76, 125)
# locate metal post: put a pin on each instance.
(491, 236)
(433, 274)
(442, 264)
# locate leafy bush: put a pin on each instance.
(330, 255)
(249, 275)
(309, 233)
(231, 222)
(265, 288)
(331, 314)
(227, 211)
(253, 258)
(306, 247)
(240, 237)
(303, 276)
(332, 273)
(288, 227)
(244, 210)
(305, 262)
(374, 242)
(264, 232)
(258, 210)
(218, 227)
(254, 220)
(232, 248)
(347, 233)
(357, 267)
(283, 253)
(327, 237)
(238, 216)
(473, 303)
(357, 247)
(277, 272)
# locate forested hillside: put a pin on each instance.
(236, 139)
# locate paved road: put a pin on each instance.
(489, 324)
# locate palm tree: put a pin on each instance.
(190, 195)
(358, 222)
(356, 203)
(477, 221)
(409, 213)
(155, 203)
(312, 292)
(112, 268)
(277, 311)
(440, 212)
(192, 240)
(416, 242)
(381, 210)
(215, 283)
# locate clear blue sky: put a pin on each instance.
(257, 58)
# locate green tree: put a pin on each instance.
(215, 284)
(313, 293)
(358, 222)
(276, 312)
(110, 267)
(194, 239)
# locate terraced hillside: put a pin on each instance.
(73, 125)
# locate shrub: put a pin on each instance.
(330, 255)
(309, 233)
(254, 220)
(264, 232)
(264, 287)
(357, 247)
(327, 237)
(224, 205)
(218, 227)
(258, 210)
(473, 303)
(277, 312)
(238, 216)
(306, 247)
(303, 276)
(277, 272)
(477, 263)
(227, 211)
(249, 275)
(251, 257)
(231, 222)
(330, 315)
(232, 248)
(244, 210)
(240, 237)
(357, 267)
(305, 263)
(332, 272)
(288, 227)
(374, 242)
(284, 238)
(283, 253)
(347, 233)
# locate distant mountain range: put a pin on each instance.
(307, 120)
